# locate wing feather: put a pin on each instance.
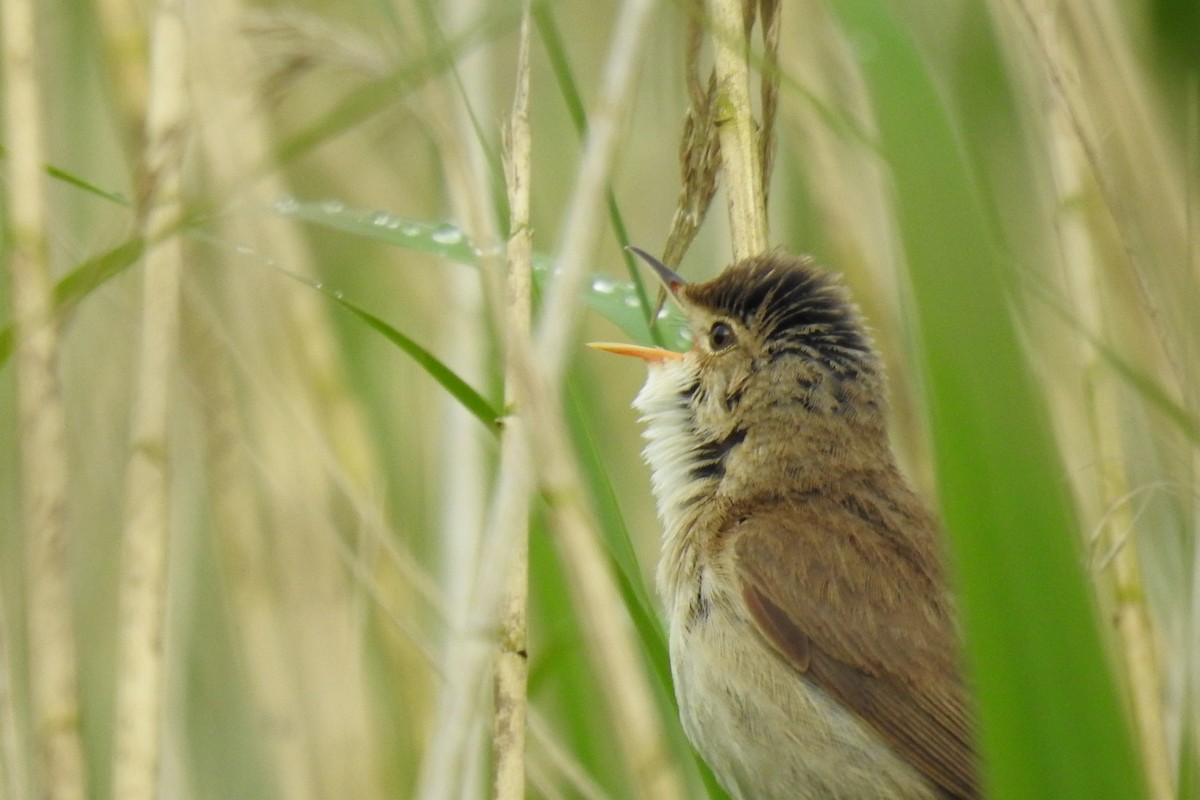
(864, 617)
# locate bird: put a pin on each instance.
(813, 638)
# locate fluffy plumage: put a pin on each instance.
(812, 641)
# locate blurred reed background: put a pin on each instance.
(316, 531)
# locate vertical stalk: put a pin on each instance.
(12, 769)
(737, 129)
(618, 665)
(1072, 155)
(143, 589)
(41, 425)
(512, 660)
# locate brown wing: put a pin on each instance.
(836, 586)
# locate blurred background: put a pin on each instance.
(1011, 190)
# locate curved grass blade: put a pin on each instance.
(79, 282)
(617, 301)
(462, 391)
(94, 272)
(70, 179)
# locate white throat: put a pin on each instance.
(671, 453)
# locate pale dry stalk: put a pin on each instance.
(699, 149)
(510, 710)
(143, 588)
(13, 782)
(581, 220)
(126, 63)
(41, 425)
(740, 148)
(473, 536)
(294, 606)
(1076, 158)
(618, 664)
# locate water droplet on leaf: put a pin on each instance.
(446, 234)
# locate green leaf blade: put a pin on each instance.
(1051, 721)
(462, 391)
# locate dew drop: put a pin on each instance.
(319, 285)
(603, 285)
(333, 206)
(410, 229)
(380, 218)
(287, 205)
(446, 234)
(338, 294)
(632, 301)
(244, 249)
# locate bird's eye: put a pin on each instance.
(721, 336)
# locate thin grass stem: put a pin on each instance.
(512, 659)
(737, 129)
(41, 424)
(144, 588)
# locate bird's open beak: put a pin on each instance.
(671, 279)
(652, 355)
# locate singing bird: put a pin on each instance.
(812, 636)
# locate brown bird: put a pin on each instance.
(812, 638)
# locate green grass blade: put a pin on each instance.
(79, 183)
(1052, 723)
(94, 272)
(81, 281)
(462, 391)
(616, 301)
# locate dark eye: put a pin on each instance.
(720, 336)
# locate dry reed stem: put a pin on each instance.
(617, 661)
(61, 773)
(126, 62)
(770, 18)
(1075, 150)
(618, 665)
(512, 660)
(296, 611)
(1112, 118)
(582, 219)
(699, 149)
(244, 559)
(143, 588)
(472, 540)
(736, 127)
(1132, 623)
(13, 781)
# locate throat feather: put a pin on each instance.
(687, 469)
